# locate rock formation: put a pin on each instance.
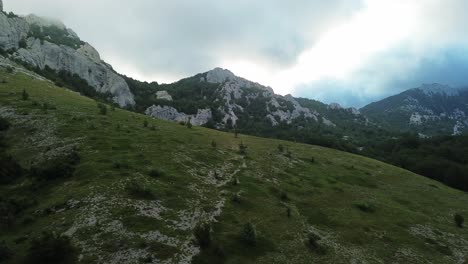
(171, 114)
(83, 61)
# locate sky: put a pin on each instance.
(351, 52)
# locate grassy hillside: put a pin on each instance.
(129, 189)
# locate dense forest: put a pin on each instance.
(441, 158)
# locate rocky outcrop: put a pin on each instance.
(163, 95)
(1, 6)
(171, 114)
(84, 61)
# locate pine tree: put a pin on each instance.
(249, 234)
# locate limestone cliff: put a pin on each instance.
(82, 60)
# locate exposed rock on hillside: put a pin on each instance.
(83, 61)
(171, 114)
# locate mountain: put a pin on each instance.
(432, 109)
(49, 47)
(84, 182)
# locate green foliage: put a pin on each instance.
(11, 15)
(242, 148)
(61, 167)
(365, 206)
(213, 143)
(4, 124)
(189, 123)
(459, 220)
(55, 35)
(249, 234)
(155, 173)
(284, 196)
(23, 44)
(68, 80)
(138, 191)
(9, 69)
(51, 249)
(102, 109)
(5, 252)
(280, 148)
(313, 240)
(202, 235)
(10, 169)
(440, 158)
(145, 123)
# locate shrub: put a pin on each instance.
(24, 95)
(4, 124)
(365, 207)
(10, 170)
(9, 69)
(312, 160)
(280, 148)
(213, 144)
(138, 191)
(242, 148)
(249, 234)
(313, 240)
(22, 43)
(5, 252)
(58, 168)
(203, 235)
(153, 128)
(288, 212)
(145, 123)
(236, 133)
(102, 109)
(235, 181)
(284, 196)
(189, 123)
(459, 220)
(236, 198)
(51, 249)
(155, 173)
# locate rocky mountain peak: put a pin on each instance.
(219, 75)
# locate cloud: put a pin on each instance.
(351, 52)
(173, 39)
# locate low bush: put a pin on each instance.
(102, 109)
(202, 234)
(24, 95)
(365, 207)
(58, 168)
(5, 252)
(51, 249)
(249, 234)
(4, 124)
(459, 220)
(155, 173)
(138, 191)
(242, 148)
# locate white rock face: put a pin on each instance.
(85, 62)
(234, 88)
(171, 114)
(163, 95)
(12, 30)
(1, 6)
(416, 119)
(335, 106)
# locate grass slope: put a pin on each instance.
(363, 210)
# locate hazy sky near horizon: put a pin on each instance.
(346, 51)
